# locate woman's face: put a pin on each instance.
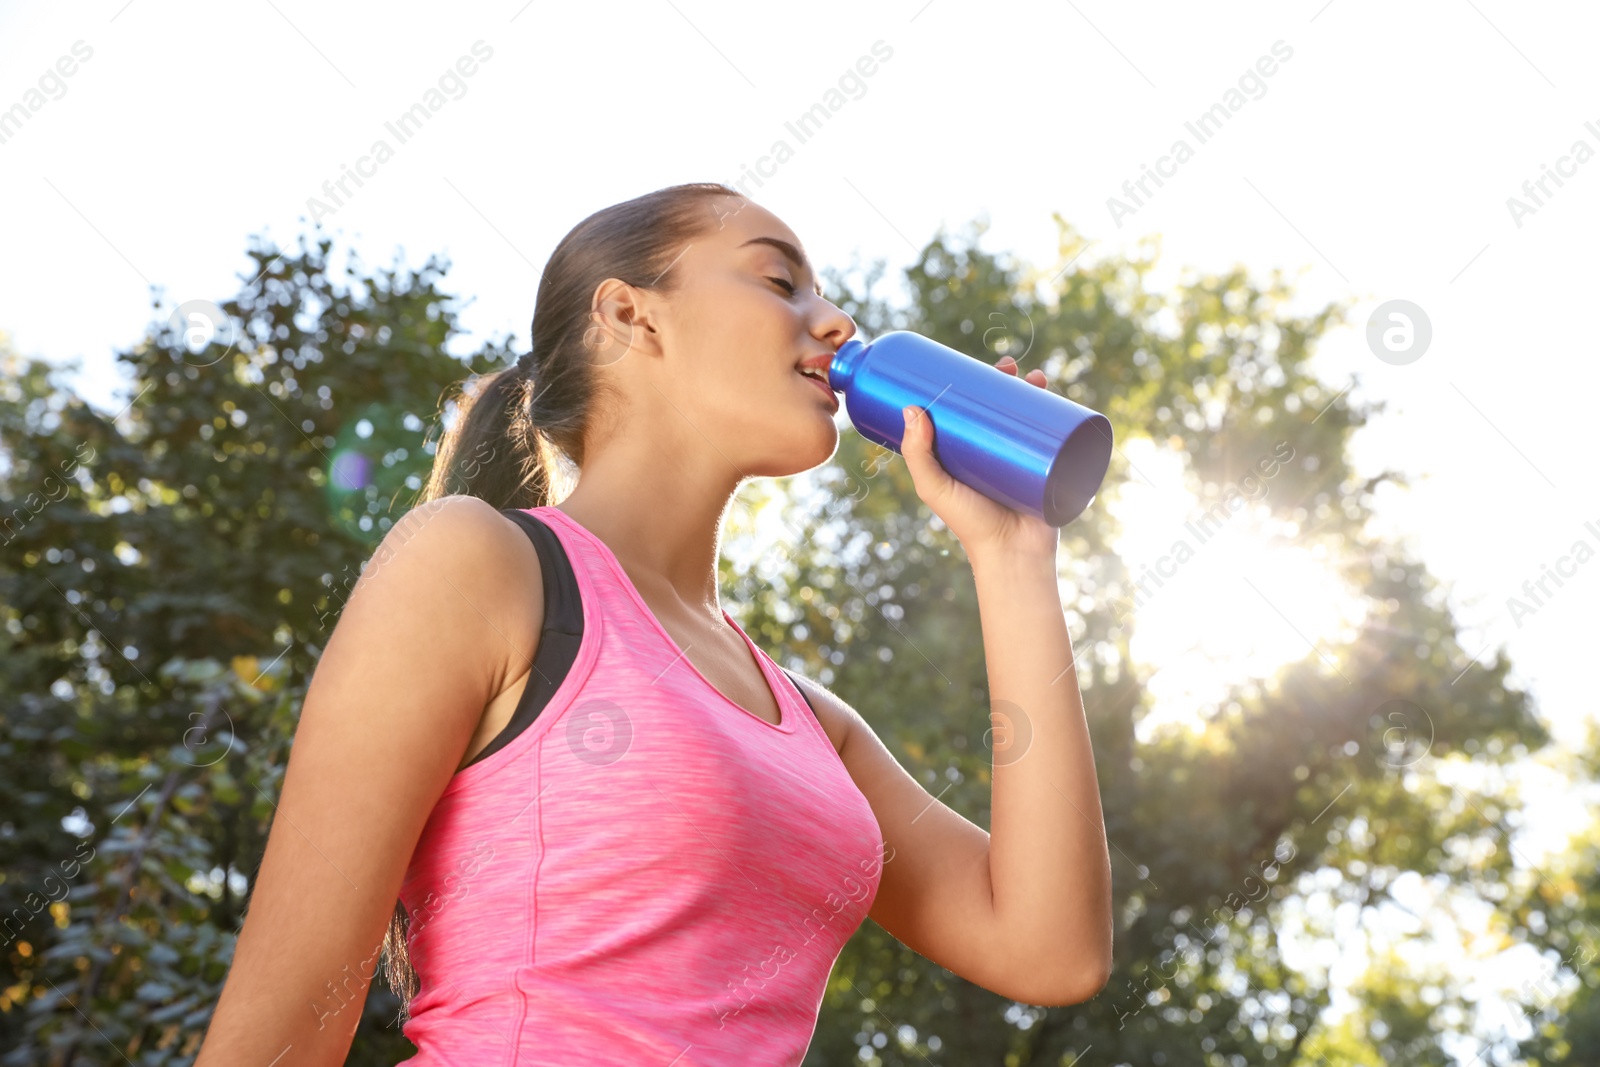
(717, 370)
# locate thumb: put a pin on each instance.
(913, 439)
(916, 445)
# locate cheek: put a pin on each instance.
(771, 423)
(752, 403)
(738, 347)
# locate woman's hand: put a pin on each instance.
(983, 526)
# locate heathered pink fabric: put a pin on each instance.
(648, 875)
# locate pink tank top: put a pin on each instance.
(647, 874)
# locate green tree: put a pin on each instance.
(1559, 905)
(170, 575)
(1210, 835)
(169, 578)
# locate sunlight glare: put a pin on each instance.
(1217, 604)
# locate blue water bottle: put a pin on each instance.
(1025, 447)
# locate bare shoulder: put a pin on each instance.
(463, 554)
(457, 521)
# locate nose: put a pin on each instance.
(832, 326)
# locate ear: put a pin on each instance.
(621, 321)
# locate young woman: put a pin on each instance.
(617, 831)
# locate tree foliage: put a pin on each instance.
(171, 574)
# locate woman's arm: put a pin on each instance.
(1048, 862)
(944, 890)
(423, 644)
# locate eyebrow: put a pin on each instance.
(791, 253)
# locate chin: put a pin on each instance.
(826, 448)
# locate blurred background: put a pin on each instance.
(1323, 263)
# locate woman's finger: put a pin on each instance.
(1009, 365)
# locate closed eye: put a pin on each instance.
(787, 286)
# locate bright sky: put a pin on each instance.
(1378, 156)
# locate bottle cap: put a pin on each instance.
(845, 362)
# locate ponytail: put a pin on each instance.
(495, 451)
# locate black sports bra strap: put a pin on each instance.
(799, 689)
(560, 638)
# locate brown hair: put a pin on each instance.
(512, 425)
(503, 445)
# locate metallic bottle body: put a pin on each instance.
(1032, 450)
